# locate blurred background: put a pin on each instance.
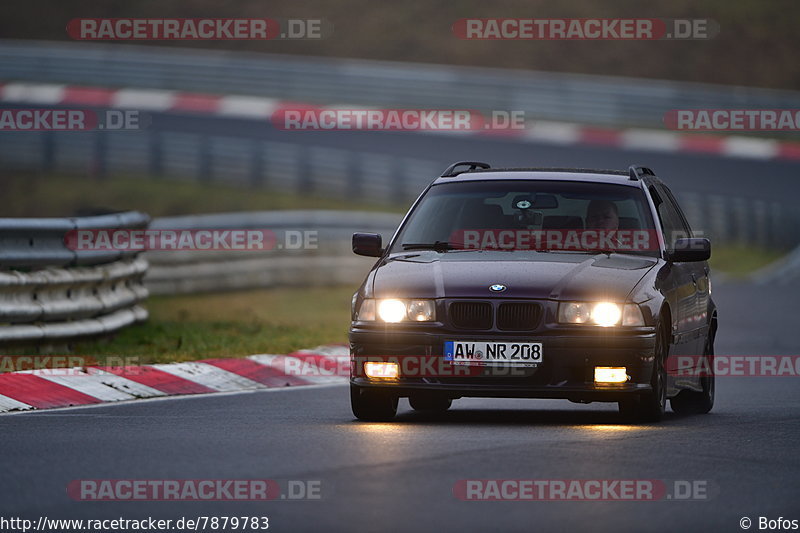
(208, 156)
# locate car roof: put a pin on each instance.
(617, 177)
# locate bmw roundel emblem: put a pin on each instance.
(497, 287)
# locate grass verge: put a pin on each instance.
(189, 327)
(48, 196)
(737, 261)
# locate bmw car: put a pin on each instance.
(584, 285)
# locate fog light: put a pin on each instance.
(610, 374)
(381, 370)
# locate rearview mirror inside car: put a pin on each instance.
(545, 201)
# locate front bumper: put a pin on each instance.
(566, 371)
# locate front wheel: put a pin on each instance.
(372, 405)
(650, 407)
(689, 402)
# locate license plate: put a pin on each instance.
(493, 353)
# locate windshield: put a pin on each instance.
(542, 215)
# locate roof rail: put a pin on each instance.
(451, 170)
(636, 172)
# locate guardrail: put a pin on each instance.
(39, 242)
(602, 100)
(328, 261)
(734, 220)
(49, 293)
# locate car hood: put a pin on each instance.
(534, 275)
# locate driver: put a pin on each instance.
(602, 215)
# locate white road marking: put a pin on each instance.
(295, 366)
(750, 148)
(144, 99)
(57, 410)
(10, 404)
(78, 380)
(34, 93)
(125, 385)
(209, 376)
(640, 139)
(247, 106)
(552, 132)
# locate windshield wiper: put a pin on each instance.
(439, 246)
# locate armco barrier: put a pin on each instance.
(329, 262)
(51, 293)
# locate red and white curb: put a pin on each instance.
(50, 388)
(260, 108)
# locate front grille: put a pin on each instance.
(471, 315)
(518, 316)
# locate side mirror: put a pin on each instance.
(369, 244)
(690, 250)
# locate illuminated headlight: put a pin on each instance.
(605, 314)
(392, 310)
(395, 310)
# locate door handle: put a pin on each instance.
(694, 278)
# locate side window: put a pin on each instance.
(671, 200)
(672, 224)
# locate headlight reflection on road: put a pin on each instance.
(614, 428)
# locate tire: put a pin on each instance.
(689, 402)
(372, 405)
(650, 407)
(430, 403)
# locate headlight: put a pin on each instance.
(396, 310)
(605, 314)
(391, 310)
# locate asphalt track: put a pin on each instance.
(400, 476)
